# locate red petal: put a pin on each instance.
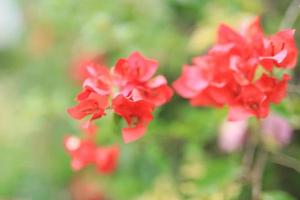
(227, 35)
(107, 158)
(279, 91)
(237, 113)
(146, 67)
(192, 81)
(132, 134)
(89, 128)
(135, 68)
(204, 99)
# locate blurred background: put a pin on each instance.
(40, 43)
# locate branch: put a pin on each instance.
(257, 174)
(291, 15)
(287, 161)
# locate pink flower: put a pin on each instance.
(232, 135)
(276, 130)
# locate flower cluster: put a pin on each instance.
(85, 152)
(240, 71)
(128, 90)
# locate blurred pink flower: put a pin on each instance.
(232, 135)
(276, 130)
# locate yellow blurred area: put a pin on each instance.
(206, 31)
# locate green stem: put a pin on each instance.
(287, 161)
(257, 174)
(291, 15)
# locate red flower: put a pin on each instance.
(216, 96)
(81, 151)
(275, 89)
(85, 152)
(209, 81)
(137, 114)
(133, 76)
(250, 102)
(228, 73)
(254, 99)
(93, 104)
(83, 64)
(156, 91)
(99, 81)
(280, 50)
(106, 159)
(192, 81)
(250, 36)
(135, 68)
(89, 128)
(129, 90)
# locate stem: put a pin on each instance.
(248, 158)
(291, 14)
(254, 161)
(257, 174)
(294, 89)
(287, 161)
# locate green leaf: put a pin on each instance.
(277, 195)
(220, 173)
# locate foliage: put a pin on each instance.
(178, 158)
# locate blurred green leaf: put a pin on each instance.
(277, 195)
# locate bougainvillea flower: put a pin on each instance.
(253, 32)
(280, 50)
(232, 135)
(250, 102)
(106, 159)
(135, 68)
(274, 88)
(85, 152)
(134, 78)
(129, 90)
(228, 35)
(89, 128)
(230, 73)
(276, 131)
(156, 91)
(79, 70)
(192, 81)
(93, 105)
(81, 151)
(137, 114)
(99, 81)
